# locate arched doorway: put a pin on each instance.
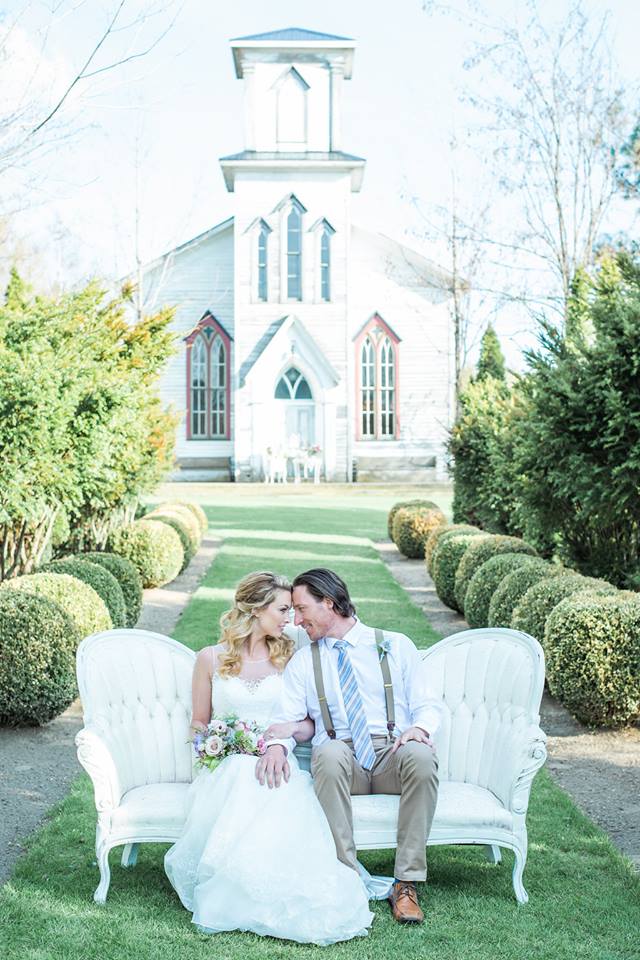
(296, 409)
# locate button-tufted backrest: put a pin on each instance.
(491, 683)
(136, 693)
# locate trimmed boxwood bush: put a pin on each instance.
(485, 581)
(198, 513)
(79, 601)
(447, 556)
(189, 522)
(176, 523)
(153, 548)
(407, 505)
(37, 658)
(412, 526)
(508, 594)
(592, 646)
(444, 530)
(479, 551)
(128, 578)
(103, 582)
(533, 609)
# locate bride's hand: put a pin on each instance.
(281, 731)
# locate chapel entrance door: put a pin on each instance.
(295, 413)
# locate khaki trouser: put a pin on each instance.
(411, 772)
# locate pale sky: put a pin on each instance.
(180, 109)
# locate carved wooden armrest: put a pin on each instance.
(533, 755)
(97, 760)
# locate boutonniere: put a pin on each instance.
(384, 646)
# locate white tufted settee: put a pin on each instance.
(136, 693)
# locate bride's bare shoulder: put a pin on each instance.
(207, 657)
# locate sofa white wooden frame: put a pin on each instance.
(136, 693)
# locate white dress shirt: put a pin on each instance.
(415, 704)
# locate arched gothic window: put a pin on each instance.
(262, 262)
(377, 377)
(325, 263)
(208, 394)
(293, 386)
(294, 253)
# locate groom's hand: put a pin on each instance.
(273, 766)
(412, 733)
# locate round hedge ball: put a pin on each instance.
(37, 659)
(592, 646)
(79, 601)
(485, 581)
(447, 556)
(198, 513)
(431, 543)
(407, 504)
(103, 582)
(176, 523)
(189, 522)
(450, 530)
(128, 578)
(514, 586)
(153, 548)
(412, 526)
(533, 609)
(482, 549)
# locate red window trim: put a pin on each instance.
(208, 320)
(377, 321)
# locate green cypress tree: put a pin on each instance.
(491, 362)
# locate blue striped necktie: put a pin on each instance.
(362, 745)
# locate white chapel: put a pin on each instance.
(299, 330)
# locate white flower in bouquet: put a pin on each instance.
(213, 746)
(219, 727)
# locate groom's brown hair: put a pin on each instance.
(322, 583)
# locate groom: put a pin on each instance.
(373, 725)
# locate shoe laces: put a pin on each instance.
(407, 890)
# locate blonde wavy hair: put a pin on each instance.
(254, 592)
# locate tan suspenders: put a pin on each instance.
(386, 678)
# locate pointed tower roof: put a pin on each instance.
(280, 45)
(291, 33)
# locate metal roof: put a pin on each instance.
(292, 33)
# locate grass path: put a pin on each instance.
(585, 898)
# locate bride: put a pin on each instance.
(251, 858)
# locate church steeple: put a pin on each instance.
(293, 89)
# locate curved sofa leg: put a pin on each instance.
(518, 869)
(493, 853)
(130, 855)
(102, 856)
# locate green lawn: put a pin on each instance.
(585, 899)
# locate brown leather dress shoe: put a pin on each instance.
(404, 902)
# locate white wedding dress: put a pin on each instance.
(260, 859)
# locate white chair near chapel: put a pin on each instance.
(136, 693)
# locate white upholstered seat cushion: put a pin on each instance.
(460, 807)
(158, 809)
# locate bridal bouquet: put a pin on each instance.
(225, 736)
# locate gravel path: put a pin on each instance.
(38, 764)
(599, 769)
